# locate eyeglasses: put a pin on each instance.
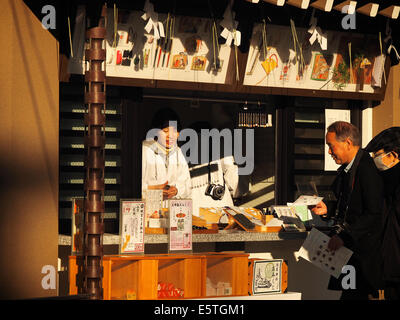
(375, 155)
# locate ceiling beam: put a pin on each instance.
(391, 12)
(350, 9)
(370, 9)
(303, 4)
(279, 3)
(324, 5)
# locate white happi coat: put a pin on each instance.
(160, 166)
(227, 175)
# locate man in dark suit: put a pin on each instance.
(357, 213)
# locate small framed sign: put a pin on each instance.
(267, 276)
(180, 225)
(132, 226)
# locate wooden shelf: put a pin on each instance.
(142, 274)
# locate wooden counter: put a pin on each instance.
(222, 236)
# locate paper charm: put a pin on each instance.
(230, 33)
(152, 22)
(317, 34)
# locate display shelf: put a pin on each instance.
(142, 277)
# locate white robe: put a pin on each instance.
(227, 175)
(160, 166)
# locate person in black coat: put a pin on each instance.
(357, 213)
(385, 149)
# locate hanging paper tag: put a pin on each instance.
(238, 37)
(161, 29)
(324, 41)
(149, 25)
(226, 34)
(313, 36)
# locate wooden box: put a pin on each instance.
(227, 270)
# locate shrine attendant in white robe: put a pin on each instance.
(163, 165)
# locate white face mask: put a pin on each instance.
(379, 162)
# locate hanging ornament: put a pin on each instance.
(230, 33)
(298, 51)
(252, 116)
(317, 34)
(216, 65)
(152, 23)
(264, 40)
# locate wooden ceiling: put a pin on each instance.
(387, 8)
(373, 16)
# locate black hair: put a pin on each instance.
(388, 140)
(165, 118)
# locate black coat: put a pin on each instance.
(360, 219)
(391, 237)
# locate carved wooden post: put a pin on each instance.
(95, 103)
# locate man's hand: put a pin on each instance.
(320, 209)
(335, 243)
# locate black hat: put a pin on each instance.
(164, 118)
(388, 140)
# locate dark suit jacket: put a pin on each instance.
(360, 226)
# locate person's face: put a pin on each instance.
(339, 151)
(168, 136)
(385, 160)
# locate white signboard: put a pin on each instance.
(180, 224)
(132, 217)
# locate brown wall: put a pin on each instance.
(28, 152)
(387, 114)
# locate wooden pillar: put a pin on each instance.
(95, 103)
(387, 113)
(29, 148)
